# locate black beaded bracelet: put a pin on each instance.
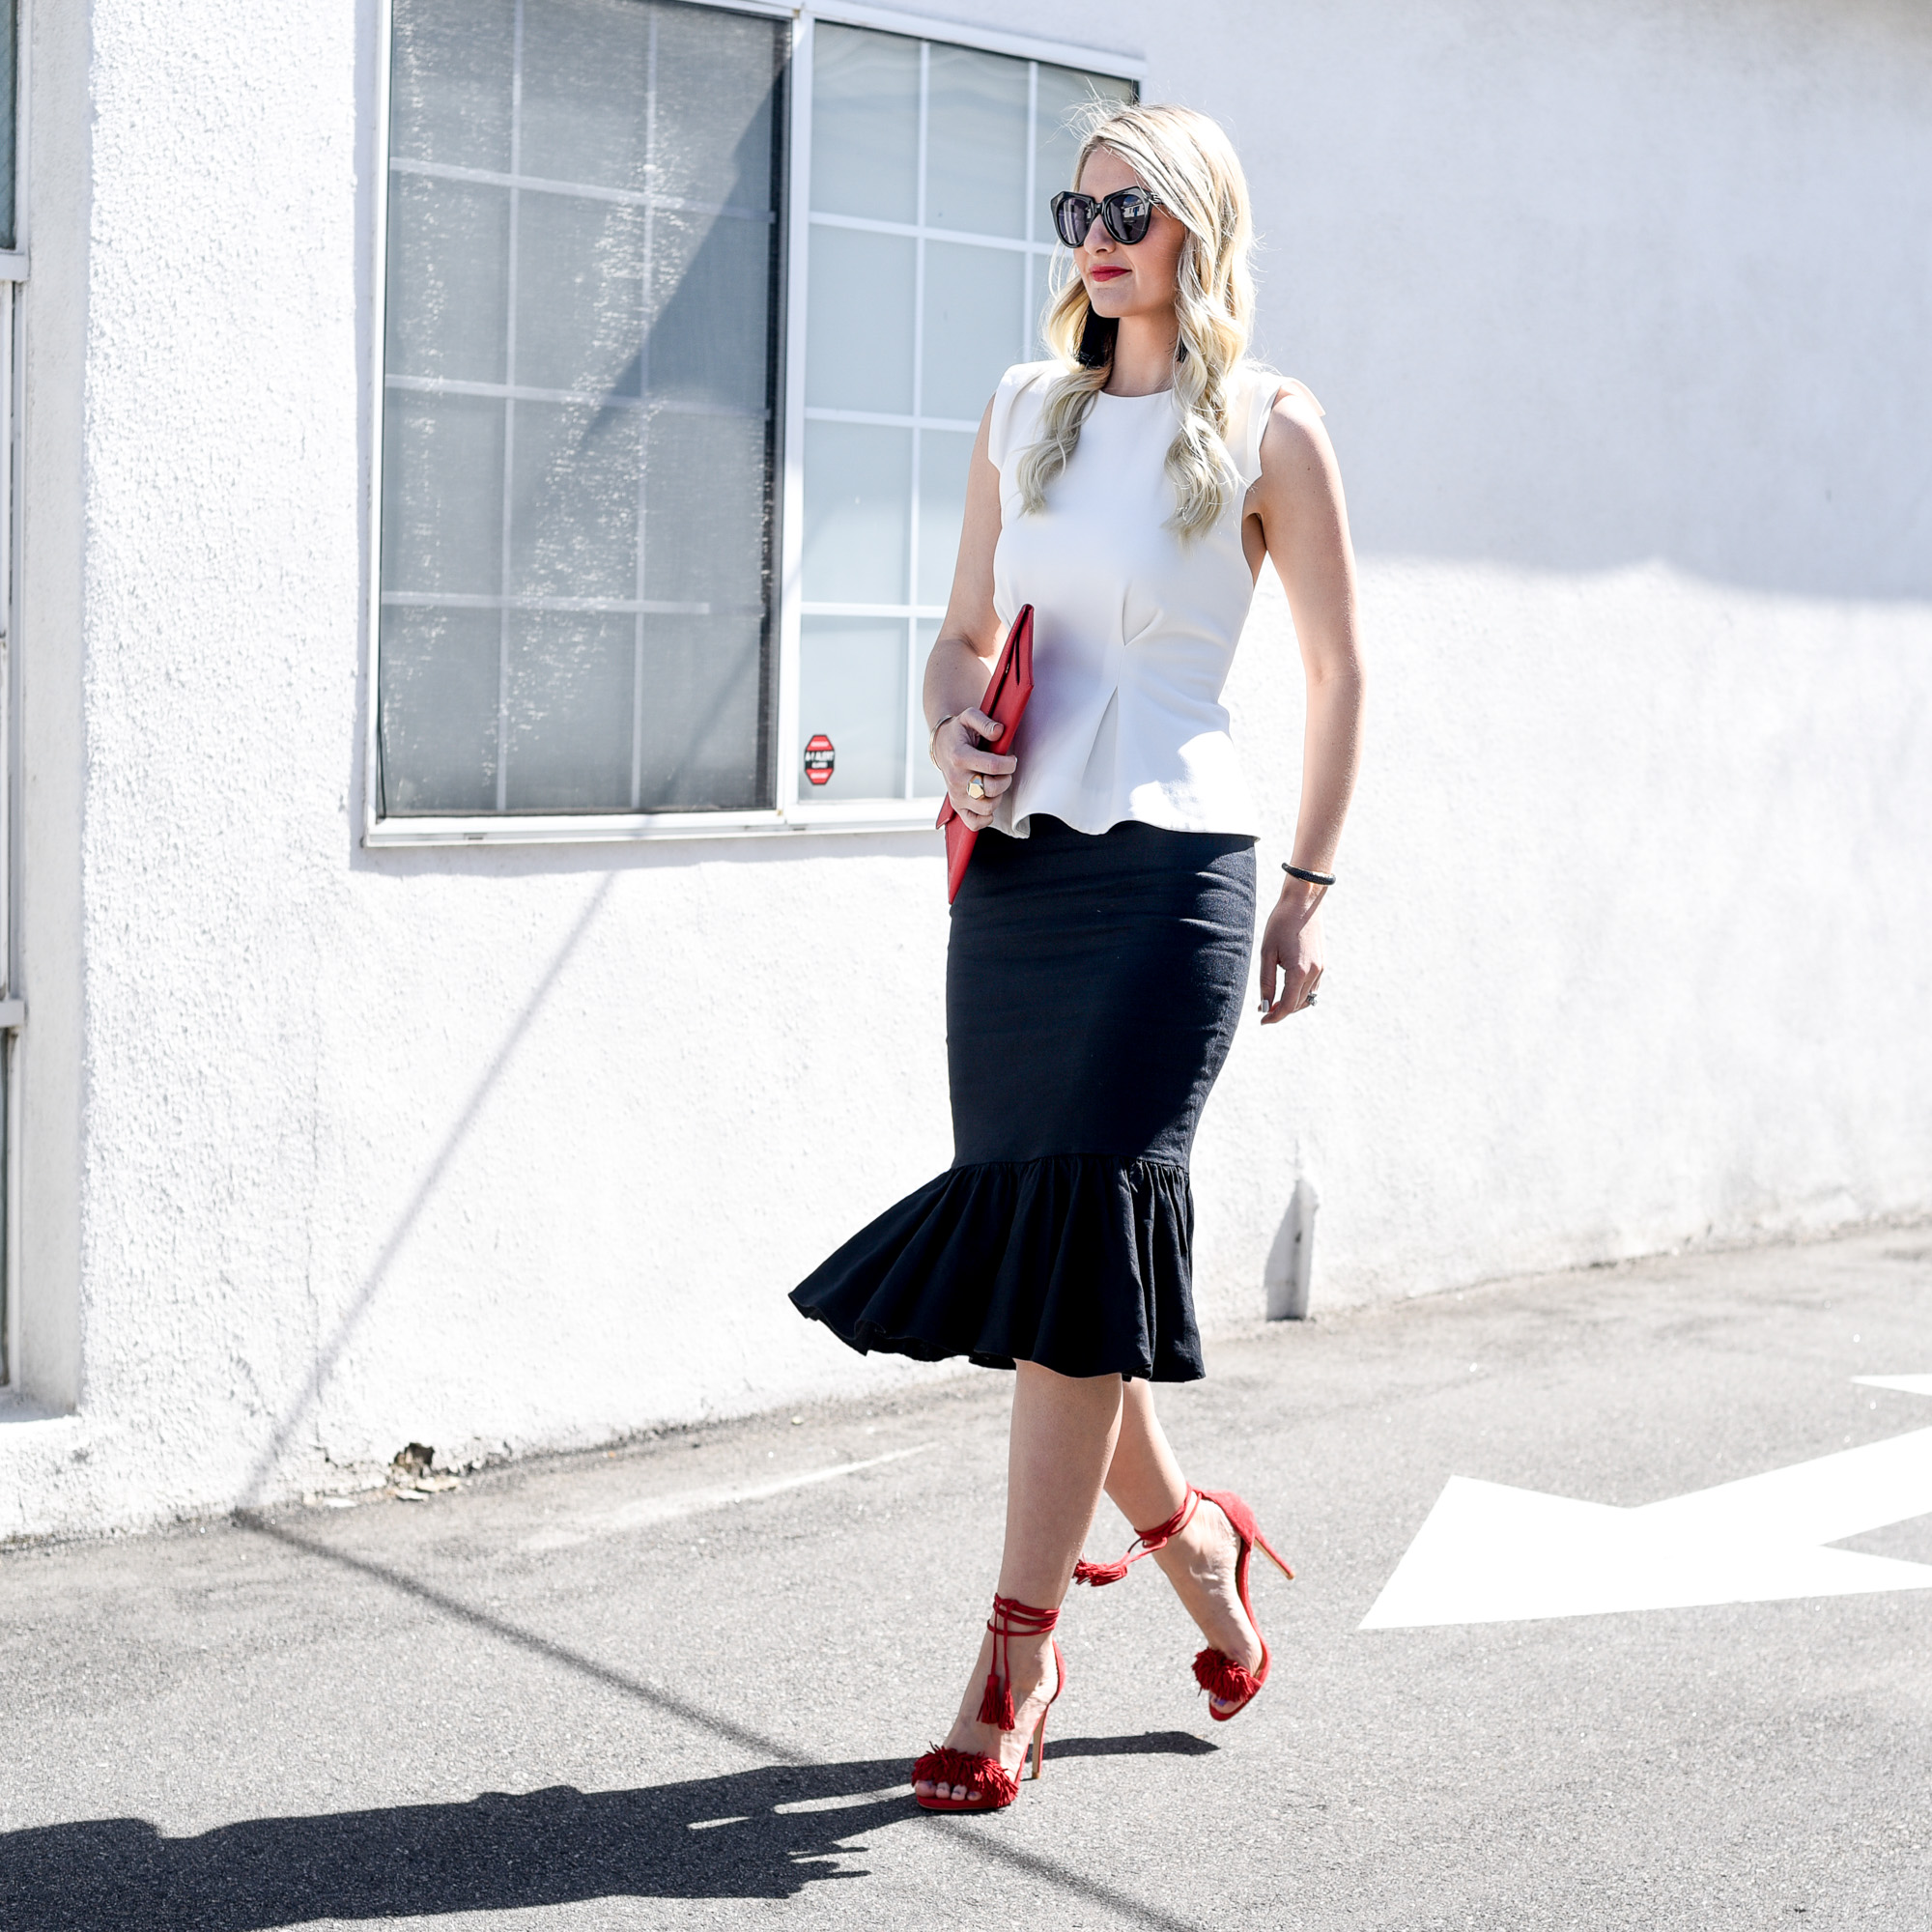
(1313, 878)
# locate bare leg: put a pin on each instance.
(1146, 1482)
(1061, 1444)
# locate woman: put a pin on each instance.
(1128, 489)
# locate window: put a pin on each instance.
(582, 619)
(930, 165)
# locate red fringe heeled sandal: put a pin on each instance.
(1214, 1670)
(988, 1784)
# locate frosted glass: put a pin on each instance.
(864, 123)
(711, 328)
(579, 295)
(976, 137)
(574, 489)
(704, 510)
(449, 82)
(449, 262)
(975, 326)
(852, 689)
(10, 82)
(945, 457)
(858, 490)
(704, 727)
(570, 703)
(443, 493)
(438, 714)
(926, 780)
(716, 74)
(661, 318)
(859, 322)
(1063, 94)
(586, 76)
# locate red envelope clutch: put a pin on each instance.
(1004, 700)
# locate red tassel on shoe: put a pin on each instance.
(1011, 1618)
(1146, 1541)
(996, 1704)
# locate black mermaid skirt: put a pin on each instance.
(1092, 987)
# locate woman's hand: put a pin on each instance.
(1291, 949)
(960, 758)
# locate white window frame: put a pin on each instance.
(13, 398)
(791, 813)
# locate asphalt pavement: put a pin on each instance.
(679, 1685)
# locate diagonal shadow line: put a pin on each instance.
(472, 1108)
(514, 1634)
(1131, 1910)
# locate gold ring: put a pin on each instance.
(975, 789)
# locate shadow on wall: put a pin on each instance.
(1590, 286)
(763, 1833)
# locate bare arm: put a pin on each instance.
(964, 652)
(1303, 525)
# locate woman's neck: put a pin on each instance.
(1144, 354)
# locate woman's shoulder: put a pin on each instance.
(1016, 402)
(1024, 378)
(1266, 396)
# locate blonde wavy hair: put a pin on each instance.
(1188, 166)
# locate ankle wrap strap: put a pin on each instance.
(1011, 1618)
(1146, 1541)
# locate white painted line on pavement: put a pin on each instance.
(1909, 1385)
(648, 1509)
(1490, 1553)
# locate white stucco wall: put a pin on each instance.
(1619, 316)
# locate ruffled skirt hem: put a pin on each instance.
(1080, 1262)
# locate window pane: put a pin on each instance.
(579, 295)
(656, 487)
(976, 135)
(703, 730)
(852, 690)
(858, 512)
(449, 82)
(975, 326)
(575, 475)
(439, 712)
(944, 457)
(857, 342)
(443, 493)
(711, 315)
(864, 123)
(1063, 93)
(714, 74)
(572, 689)
(587, 73)
(704, 510)
(449, 261)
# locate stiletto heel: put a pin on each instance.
(1214, 1670)
(988, 1784)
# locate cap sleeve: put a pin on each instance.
(1265, 388)
(1016, 407)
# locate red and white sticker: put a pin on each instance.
(818, 759)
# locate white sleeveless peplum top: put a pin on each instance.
(1134, 630)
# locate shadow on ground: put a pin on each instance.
(765, 1833)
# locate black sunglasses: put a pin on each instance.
(1126, 211)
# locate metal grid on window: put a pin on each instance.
(914, 312)
(578, 407)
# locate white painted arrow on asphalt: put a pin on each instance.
(1489, 1553)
